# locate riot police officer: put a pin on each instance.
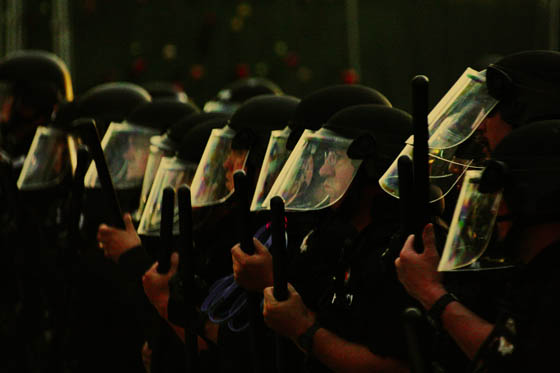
(510, 205)
(332, 316)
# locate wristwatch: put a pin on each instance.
(305, 340)
(435, 312)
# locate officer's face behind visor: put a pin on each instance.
(126, 149)
(275, 158)
(317, 173)
(48, 160)
(213, 181)
(172, 172)
(472, 228)
(452, 121)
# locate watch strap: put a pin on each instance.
(435, 312)
(305, 340)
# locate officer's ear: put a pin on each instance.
(365, 147)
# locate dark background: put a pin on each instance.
(300, 44)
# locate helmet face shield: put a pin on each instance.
(213, 180)
(171, 172)
(152, 165)
(317, 173)
(472, 225)
(126, 148)
(275, 158)
(452, 121)
(47, 161)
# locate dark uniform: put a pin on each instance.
(343, 276)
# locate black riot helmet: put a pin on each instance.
(160, 114)
(527, 84)
(111, 102)
(359, 139)
(523, 172)
(231, 97)
(239, 145)
(159, 90)
(171, 139)
(526, 165)
(43, 69)
(32, 83)
(316, 108)
(177, 170)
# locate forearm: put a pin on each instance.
(467, 329)
(343, 356)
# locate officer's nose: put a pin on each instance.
(326, 170)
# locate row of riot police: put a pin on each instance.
(272, 233)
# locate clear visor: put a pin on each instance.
(47, 161)
(126, 148)
(275, 158)
(452, 121)
(317, 173)
(154, 160)
(472, 225)
(213, 180)
(171, 172)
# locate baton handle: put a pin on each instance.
(241, 183)
(420, 156)
(166, 229)
(279, 260)
(187, 273)
(412, 317)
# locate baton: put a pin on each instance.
(241, 184)
(280, 275)
(278, 248)
(412, 317)
(88, 132)
(420, 157)
(166, 230)
(164, 264)
(187, 274)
